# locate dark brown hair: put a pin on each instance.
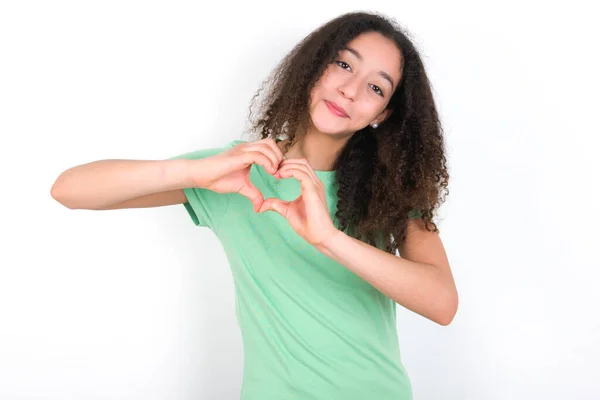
(382, 174)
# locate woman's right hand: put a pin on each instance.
(229, 172)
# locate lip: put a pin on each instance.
(335, 109)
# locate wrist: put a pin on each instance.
(327, 245)
(177, 173)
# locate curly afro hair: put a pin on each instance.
(383, 177)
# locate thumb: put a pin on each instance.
(255, 196)
(273, 204)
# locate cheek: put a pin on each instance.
(327, 78)
(368, 111)
(325, 87)
(326, 73)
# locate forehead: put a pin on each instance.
(378, 52)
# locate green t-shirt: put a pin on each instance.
(311, 328)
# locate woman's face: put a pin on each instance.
(355, 89)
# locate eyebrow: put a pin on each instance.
(383, 74)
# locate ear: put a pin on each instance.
(383, 116)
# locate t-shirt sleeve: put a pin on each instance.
(205, 207)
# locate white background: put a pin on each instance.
(139, 304)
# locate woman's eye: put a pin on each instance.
(345, 66)
(377, 90)
(342, 64)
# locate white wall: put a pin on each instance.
(138, 304)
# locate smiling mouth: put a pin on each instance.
(336, 110)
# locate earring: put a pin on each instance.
(374, 125)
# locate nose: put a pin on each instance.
(349, 88)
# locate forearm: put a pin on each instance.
(100, 184)
(421, 288)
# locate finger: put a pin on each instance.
(268, 150)
(304, 162)
(305, 167)
(276, 205)
(317, 187)
(307, 183)
(264, 147)
(273, 145)
(255, 196)
(258, 157)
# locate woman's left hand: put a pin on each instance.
(308, 215)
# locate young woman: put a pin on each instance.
(325, 230)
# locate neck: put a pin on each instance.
(319, 149)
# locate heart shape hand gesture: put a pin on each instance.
(229, 172)
(308, 214)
